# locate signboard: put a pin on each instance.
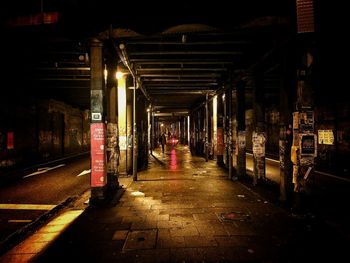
(325, 137)
(10, 141)
(98, 154)
(308, 144)
(305, 16)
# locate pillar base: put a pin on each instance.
(98, 195)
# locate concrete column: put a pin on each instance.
(153, 135)
(304, 138)
(225, 129)
(206, 128)
(230, 148)
(241, 133)
(287, 88)
(259, 136)
(215, 126)
(134, 133)
(112, 127)
(122, 122)
(97, 127)
(220, 131)
(129, 125)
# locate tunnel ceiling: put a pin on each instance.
(180, 65)
(177, 58)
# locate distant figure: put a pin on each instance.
(162, 141)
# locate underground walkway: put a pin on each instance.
(183, 209)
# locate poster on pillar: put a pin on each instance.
(98, 154)
(112, 147)
(258, 139)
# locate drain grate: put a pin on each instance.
(145, 239)
(234, 216)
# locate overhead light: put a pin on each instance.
(119, 74)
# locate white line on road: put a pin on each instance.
(84, 172)
(43, 170)
(19, 221)
(27, 206)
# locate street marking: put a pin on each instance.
(333, 176)
(26, 207)
(84, 172)
(43, 170)
(19, 221)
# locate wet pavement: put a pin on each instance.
(183, 209)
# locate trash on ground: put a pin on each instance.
(137, 193)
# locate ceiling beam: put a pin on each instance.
(140, 70)
(161, 53)
(180, 61)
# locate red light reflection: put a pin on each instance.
(173, 160)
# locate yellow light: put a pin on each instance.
(105, 74)
(119, 75)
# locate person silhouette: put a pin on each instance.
(162, 140)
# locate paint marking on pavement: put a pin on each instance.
(27, 206)
(43, 170)
(84, 172)
(19, 221)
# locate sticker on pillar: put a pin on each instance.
(98, 154)
(326, 137)
(296, 120)
(308, 144)
(306, 121)
(96, 116)
(96, 105)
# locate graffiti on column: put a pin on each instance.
(258, 140)
(241, 141)
(112, 147)
(220, 141)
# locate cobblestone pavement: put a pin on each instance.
(183, 209)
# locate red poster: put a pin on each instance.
(10, 141)
(220, 141)
(98, 155)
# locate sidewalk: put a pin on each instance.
(183, 209)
